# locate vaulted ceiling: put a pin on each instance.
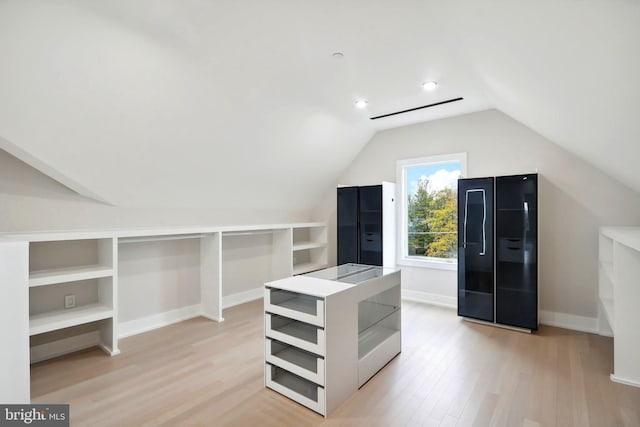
(241, 103)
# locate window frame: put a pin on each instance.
(403, 259)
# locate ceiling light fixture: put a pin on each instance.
(429, 85)
(361, 103)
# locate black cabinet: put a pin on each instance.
(348, 234)
(475, 248)
(370, 220)
(361, 212)
(497, 250)
(516, 251)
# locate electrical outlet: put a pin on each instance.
(69, 301)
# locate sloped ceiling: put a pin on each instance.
(241, 103)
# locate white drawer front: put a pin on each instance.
(299, 334)
(302, 391)
(301, 307)
(299, 362)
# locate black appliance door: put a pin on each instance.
(371, 225)
(475, 248)
(516, 250)
(347, 225)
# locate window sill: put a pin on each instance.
(428, 263)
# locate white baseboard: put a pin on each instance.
(64, 346)
(242, 297)
(108, 350)
(133, 327)
(569, 321)
(550, 318)
(624, 381)
(145, 324)
(429, 298)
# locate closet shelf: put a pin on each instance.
(307, 267)
(308, 245)
(371, 313)
(68, 274)
(371, 338)
(60, 319)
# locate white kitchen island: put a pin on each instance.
(328, 332)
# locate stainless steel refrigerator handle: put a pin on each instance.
(484, 219)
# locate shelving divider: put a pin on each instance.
(108, 294)
(282, 259)
(211, 276)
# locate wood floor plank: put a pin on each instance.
(450, 372)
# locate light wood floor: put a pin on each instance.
(450, 373)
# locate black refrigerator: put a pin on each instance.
(360, 223)
(498, 250)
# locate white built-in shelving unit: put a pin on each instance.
(309, 247)
(86, 268)
(619, 295)
(327, 333)
(38, 269)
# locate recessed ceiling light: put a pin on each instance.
(361, 103)
(429, 85)
(338, 55)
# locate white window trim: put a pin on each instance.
(401, 214)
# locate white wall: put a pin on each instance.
(155, 277)
(575, 199)
(246, 262)
(30, 200)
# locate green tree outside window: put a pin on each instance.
(432, 221)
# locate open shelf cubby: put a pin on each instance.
(84, 269)
(58, 261)
(309, 247)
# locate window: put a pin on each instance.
(428, 210)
